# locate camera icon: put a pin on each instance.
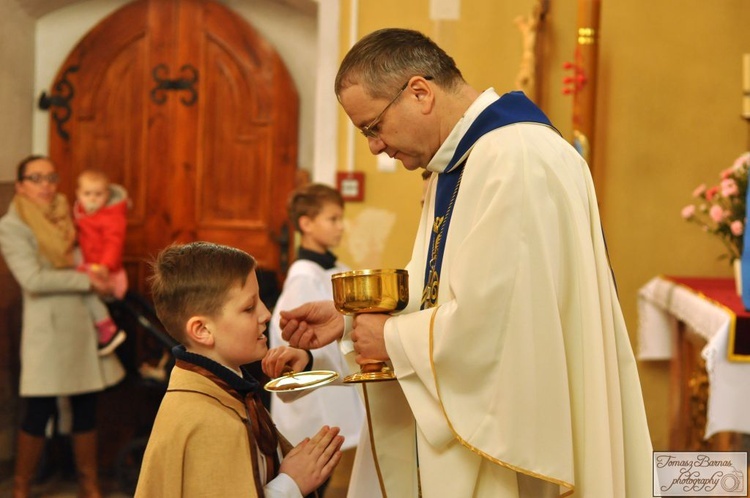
(732, 481)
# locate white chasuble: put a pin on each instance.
(522, 381)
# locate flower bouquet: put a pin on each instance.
(721, 209)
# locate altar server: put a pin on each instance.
(317, 212)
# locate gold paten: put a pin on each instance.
(300, 381)
(371, 291)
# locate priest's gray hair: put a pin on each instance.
(383, 61)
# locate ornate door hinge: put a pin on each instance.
(164, 84)
(60, 100)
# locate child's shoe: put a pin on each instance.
(109, 336)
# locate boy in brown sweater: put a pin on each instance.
(212, 435)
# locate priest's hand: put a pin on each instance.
(368, 337)
(312, 325)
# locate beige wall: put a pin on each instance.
(16, 85)
(668, 119)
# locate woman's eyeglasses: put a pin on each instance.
(39, 178)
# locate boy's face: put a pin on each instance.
(92, 194)
(238, 329)
(325, 230)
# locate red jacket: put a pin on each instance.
(101, 235)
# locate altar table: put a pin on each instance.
(678, 315)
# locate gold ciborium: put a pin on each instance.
(370, 291)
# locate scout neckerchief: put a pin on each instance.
(513, 107)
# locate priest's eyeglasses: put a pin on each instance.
(369, 131)
(38, 178)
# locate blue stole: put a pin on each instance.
(513, 107)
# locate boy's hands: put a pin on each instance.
(312, 461)
(282, 359)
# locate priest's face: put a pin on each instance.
(398, 126)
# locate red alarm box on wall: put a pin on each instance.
(351, 185)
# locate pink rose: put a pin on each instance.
(726, 173)
(711, 193)
(737, 228)
(716, 213)
(729, 188)
(688, 212)
(743, 160)
(699, 190)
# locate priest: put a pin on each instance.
(515, 374)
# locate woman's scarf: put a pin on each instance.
(52, 226)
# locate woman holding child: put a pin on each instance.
(58, 340)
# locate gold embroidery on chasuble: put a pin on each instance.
(431, 288)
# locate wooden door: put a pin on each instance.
(186, 106)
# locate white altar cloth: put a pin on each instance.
(661, 304)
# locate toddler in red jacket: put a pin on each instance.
(100, 215)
